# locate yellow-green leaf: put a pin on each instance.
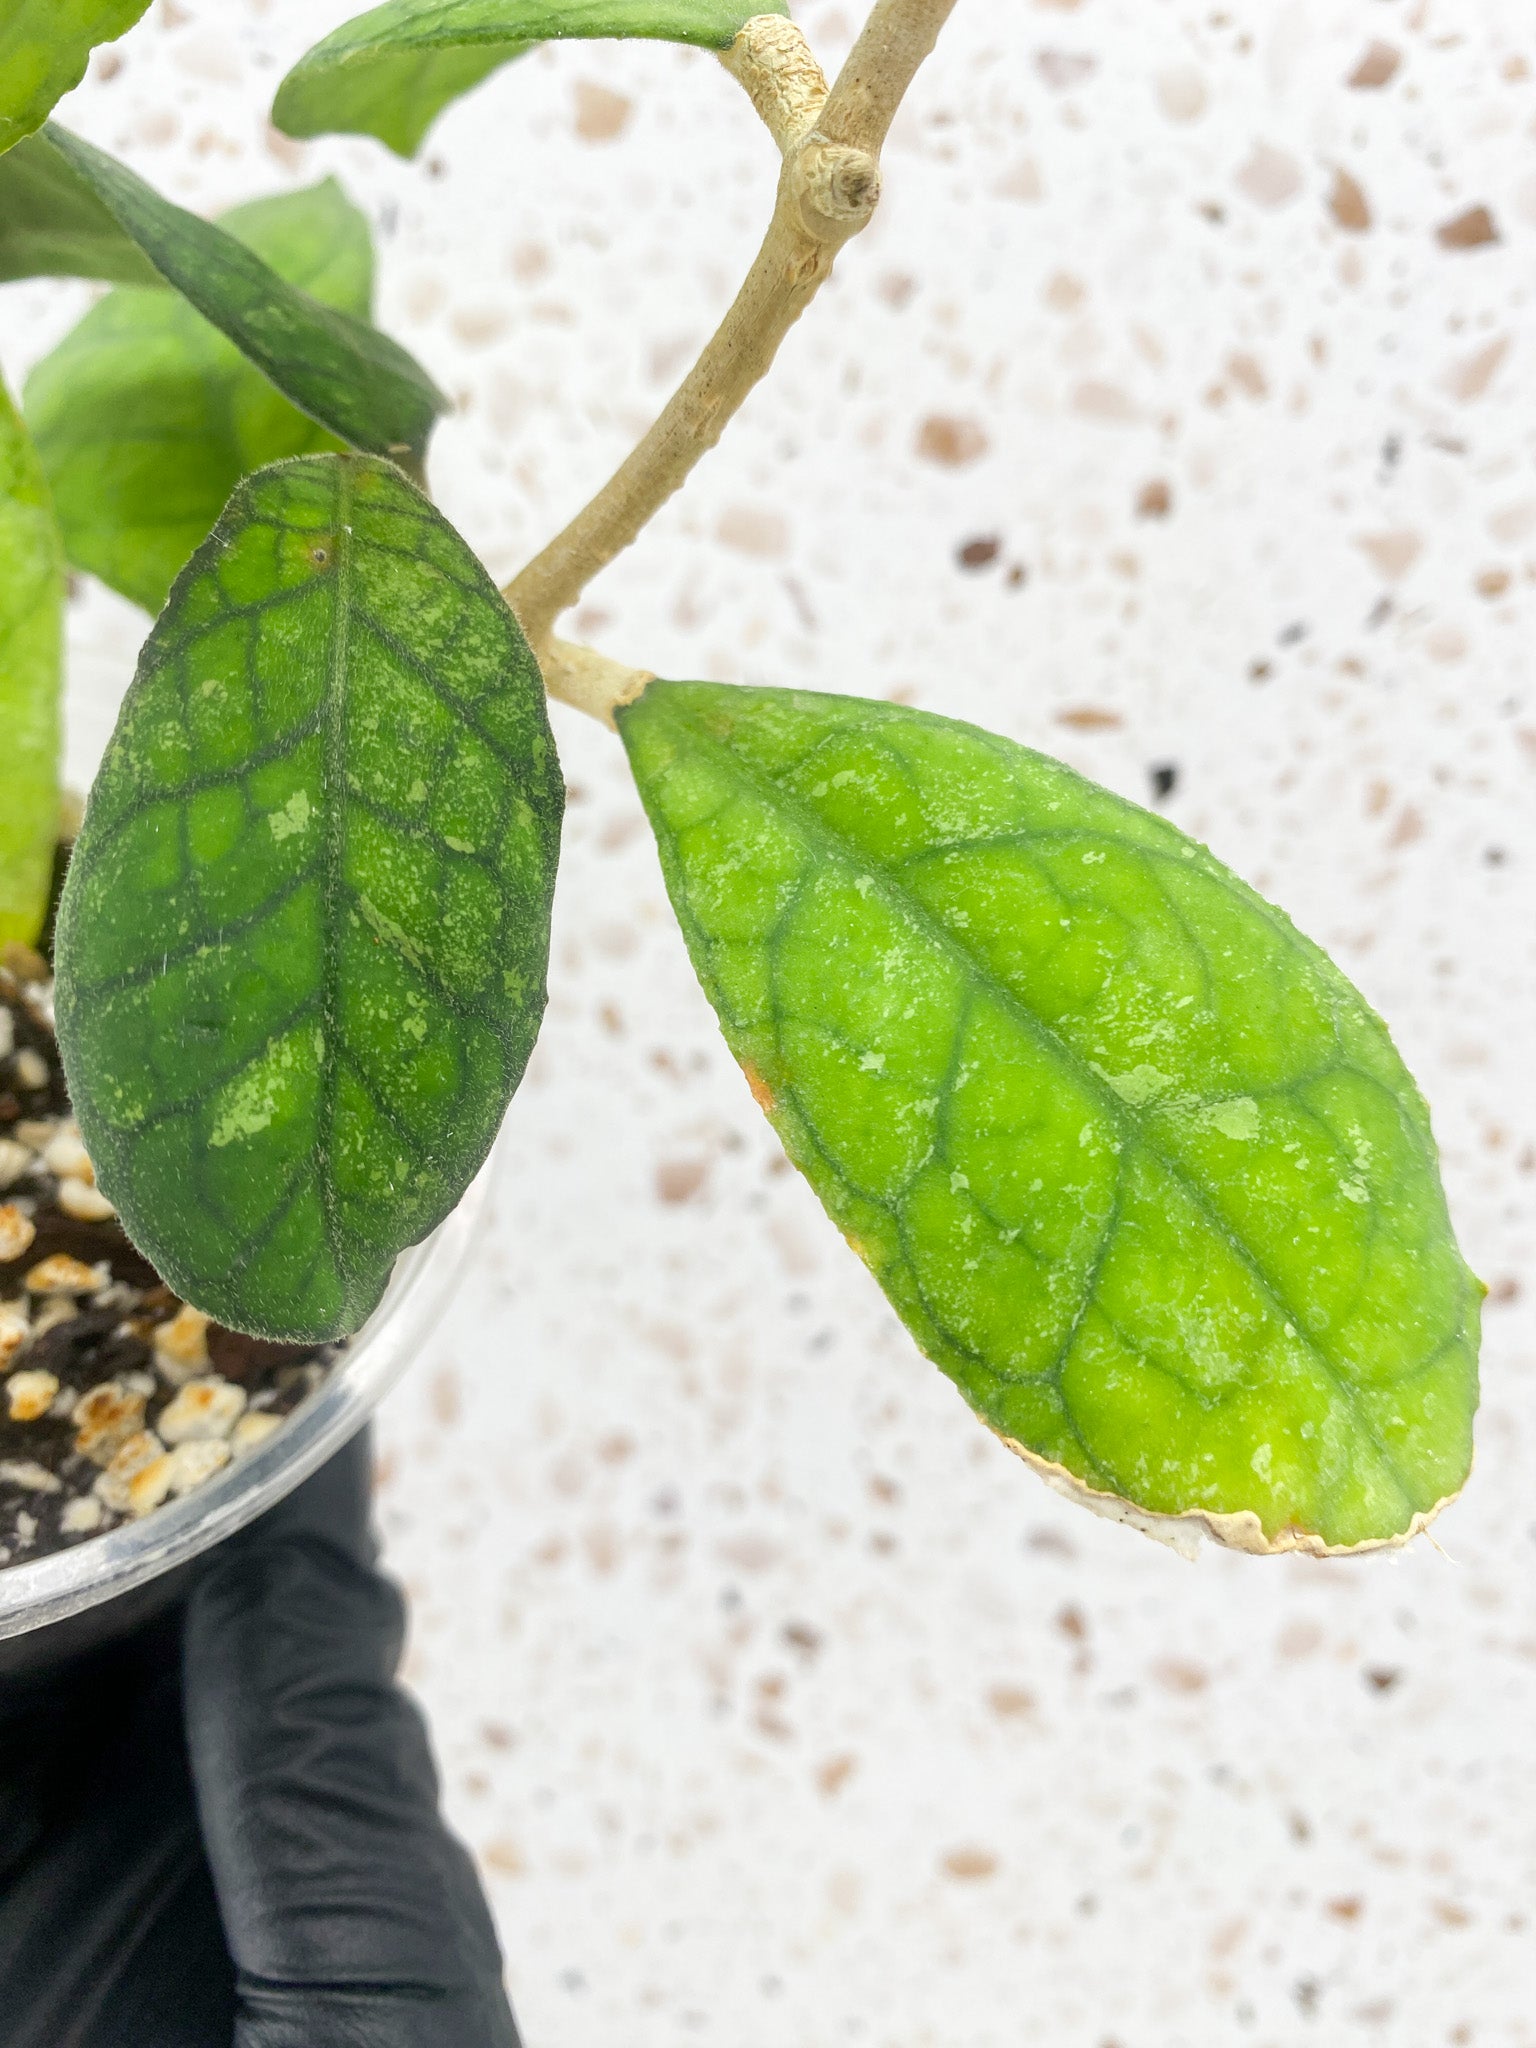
(45, 46)
(1136, 1165)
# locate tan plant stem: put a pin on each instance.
(777, 69)
(589, 681)
(827, 192)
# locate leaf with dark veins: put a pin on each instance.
(1135, 1164)
(340, 371)
(303, 941)
(146, 417)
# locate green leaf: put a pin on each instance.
(337, 369)
(45, 46)
(53, 225)
(391, 72)
(303, 940)
(1135, 1164)
(146, 417)
(31, 679)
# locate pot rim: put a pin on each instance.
(49, 1589)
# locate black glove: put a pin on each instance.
(225, 1829)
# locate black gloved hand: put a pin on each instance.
(225, 1829)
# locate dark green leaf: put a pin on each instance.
(45, 46)
(1135, 1164)
(31, 675)
(146, 417)
(302, 944)
(53, 225)
(391, 72)
(338, 370)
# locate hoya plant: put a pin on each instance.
(1137, 1167)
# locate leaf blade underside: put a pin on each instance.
(390, 73)
(45, 46)
(32, 590)
(146, 416)
(1136, 1166)
(303, 942)
(53, 225)
(343, 373)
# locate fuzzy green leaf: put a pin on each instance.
(1135, 1164)
(53, 225)
(45, 46)
(146, 417)
(31, 680)
(337, 369)
(391, 72)
(303, 940)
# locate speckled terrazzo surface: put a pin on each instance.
(778, 1702)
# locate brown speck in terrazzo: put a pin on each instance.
(1470, 378)
(834, 1774)
(1391, 554)
(951, 443)
(1348, 204)
(1474, 229)
(1269, 177)
(1073, 1624)
(1062, 69)
(601, 115)
(1090, 718)
(979, 553)
(1011, 1702)
(969, 1865)
(1179, 1675)
(681, 1180)
(1376, 68)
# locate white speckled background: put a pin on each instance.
(780, 1705)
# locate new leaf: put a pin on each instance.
(45, 46)
(1135, 1164)
(303, 941)
(391, 72)
(340, 371)
(146, 417)
(31, 680)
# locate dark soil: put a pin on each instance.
(114, 1396)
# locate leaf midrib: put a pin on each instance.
(333, 796)
(816, 830)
